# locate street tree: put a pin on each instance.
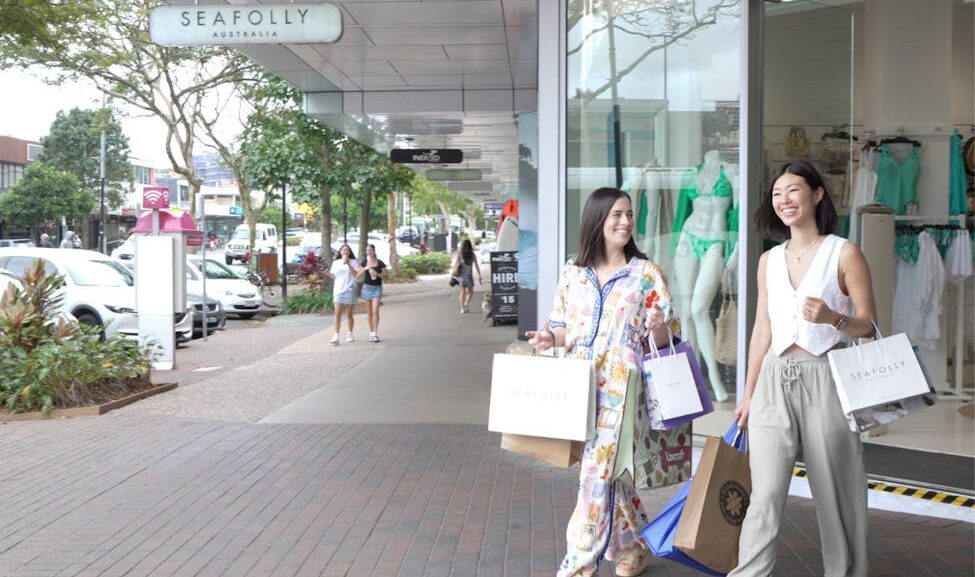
(73, 145)
(430, 197)
(281, 146)
(42, 197)
(36, 22)
(108, 42)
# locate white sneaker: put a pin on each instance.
(375, 338)
(349, 338)
(372, 337)
(335, 339)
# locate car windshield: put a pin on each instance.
(215, 270)
(242, 233)
(100, 273)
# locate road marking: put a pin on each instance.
(206, 369)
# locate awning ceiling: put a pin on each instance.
(421, 74)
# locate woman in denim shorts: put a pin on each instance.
(372, 273)
(344, 270)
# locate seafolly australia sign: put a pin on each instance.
(243, 24)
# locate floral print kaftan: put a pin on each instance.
(607, 324)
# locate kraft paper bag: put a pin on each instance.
(876, 373)
(542, 397)
(556, 452)
(710, 524)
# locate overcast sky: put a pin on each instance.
(28, 106)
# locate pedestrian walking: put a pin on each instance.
(45, 241)
(465, 264)
(68, 240)
(814, 293)
(343, 272)
(610, 298)
(372, 273)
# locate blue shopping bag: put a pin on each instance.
(659, 533)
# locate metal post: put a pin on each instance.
(101, 222)
(201, 208)
(284, 241)
(345, 219)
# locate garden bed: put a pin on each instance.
(136, 392)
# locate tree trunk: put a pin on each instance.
(391, 230)
(364, 223)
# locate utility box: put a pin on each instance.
(268, 263)
(178, 224)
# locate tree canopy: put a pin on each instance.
(74, 145)
(43, 196)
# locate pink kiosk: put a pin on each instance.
(163, 237)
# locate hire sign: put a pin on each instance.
(245, 24)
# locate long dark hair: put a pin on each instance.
(769, 224)
(351, 252)
(592, 248)
(467, 251)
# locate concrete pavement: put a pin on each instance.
(286, 456)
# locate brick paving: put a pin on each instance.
(143, 495)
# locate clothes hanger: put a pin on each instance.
(900, 139)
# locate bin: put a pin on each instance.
(268, 262)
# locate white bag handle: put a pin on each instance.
(653, 346)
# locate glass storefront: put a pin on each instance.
(653, 98)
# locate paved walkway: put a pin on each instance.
(372, 459)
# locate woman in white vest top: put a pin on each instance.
(814, 294)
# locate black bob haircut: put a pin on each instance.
(592, 248)
(768, 223)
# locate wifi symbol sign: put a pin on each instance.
(155, 197)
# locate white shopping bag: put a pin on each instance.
(542, 397)
(876, 373)
(672, 383)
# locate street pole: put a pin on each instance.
(101, 222)
(284, 241)
(345, 218)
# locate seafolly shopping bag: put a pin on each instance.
(542, 397)
(557, 452)
(676, 390)
(711, 521)
(876, 373)
(862, 420)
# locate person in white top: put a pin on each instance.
(805, 291)
(344, 271)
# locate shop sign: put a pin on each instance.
(504, 286)
(441, 174)
(428, 156)
(245, 24)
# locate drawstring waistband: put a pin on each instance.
(790, 372)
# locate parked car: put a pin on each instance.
(183, 325)
(216, 317)
(126, 251)
(237, 296)
(8, 278)
(265, 240)
(98, 291)
(7, 242)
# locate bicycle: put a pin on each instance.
(271, 291)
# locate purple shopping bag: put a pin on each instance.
(656, 421)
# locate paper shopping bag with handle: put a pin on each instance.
(542, 397)
(556, 452)
(710, 525)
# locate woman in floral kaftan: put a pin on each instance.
(609, 299)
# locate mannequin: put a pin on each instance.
(645, 188)
(699, 244)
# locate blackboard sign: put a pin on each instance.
(504, 286)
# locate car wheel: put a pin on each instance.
(91, 320)
(245, 316)
(229, 260)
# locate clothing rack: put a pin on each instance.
(957, 393)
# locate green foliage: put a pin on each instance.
(74, 145)
(46, 362)
(44, 194)
(310, 301)
(272, 215)
(35, 22)
(434, 198)
(430, 263)
(407, 272)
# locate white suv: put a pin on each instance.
(265, 241)
(97, 290)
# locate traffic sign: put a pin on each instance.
(440, 174)
(426, 156)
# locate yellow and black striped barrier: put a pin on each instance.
(924, 494)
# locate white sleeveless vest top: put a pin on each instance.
(785, 302)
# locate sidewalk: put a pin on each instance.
(289, 457)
